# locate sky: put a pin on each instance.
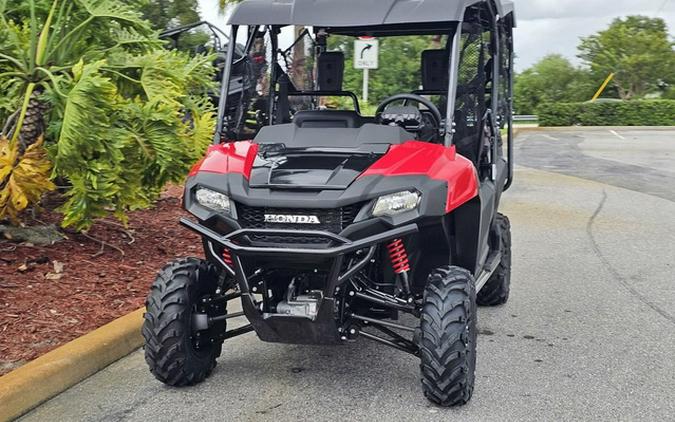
(547, 26)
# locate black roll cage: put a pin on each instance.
(390, 30)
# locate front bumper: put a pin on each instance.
(323, 329)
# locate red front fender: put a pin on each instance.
(234, 157)
(434, 161)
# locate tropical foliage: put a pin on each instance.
(23, 177)
(120, 115)
(163, 14)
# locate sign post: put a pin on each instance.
(366, 54)
(366, 77)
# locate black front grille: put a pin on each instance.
(330, 220)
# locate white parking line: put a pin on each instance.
(613, 132)
(550, 137)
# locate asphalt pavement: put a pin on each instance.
(588, 333)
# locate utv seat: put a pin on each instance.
(328, 119)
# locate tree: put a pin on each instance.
(224, 4)
(167, 13)
(637, 50)
(552, 79)
(90, 79)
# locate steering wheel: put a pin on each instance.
(435, 112)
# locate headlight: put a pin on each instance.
(396, 203)
(213, 200)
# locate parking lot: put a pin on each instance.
(589, 331)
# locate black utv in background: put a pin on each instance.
(329, 225)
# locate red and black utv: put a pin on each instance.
(331, 225)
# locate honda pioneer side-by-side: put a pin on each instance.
(329, 224)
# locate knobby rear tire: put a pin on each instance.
(496, 290)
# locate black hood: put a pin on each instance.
(280, 167)
(331, 158)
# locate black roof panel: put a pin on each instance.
(344, 13)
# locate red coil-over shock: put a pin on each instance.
(398, 256)
(227, 257)
(399, 261)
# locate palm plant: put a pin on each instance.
(93, 80)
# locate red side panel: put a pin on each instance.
(235, 157)
(434, 161)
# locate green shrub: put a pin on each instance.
(556, 114)
(609, 113)
(669, 94)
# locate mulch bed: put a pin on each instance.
(53, 294)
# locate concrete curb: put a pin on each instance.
(54, 372)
